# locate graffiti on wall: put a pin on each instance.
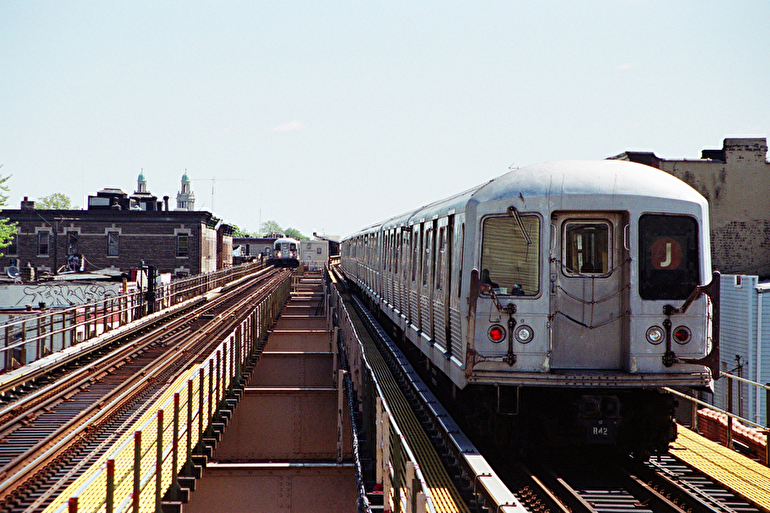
(66, 294)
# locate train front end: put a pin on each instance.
(286, 252)
(590, 293)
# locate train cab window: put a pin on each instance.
(510, 255)
(669, 263)
(586, 248)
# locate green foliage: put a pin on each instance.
(7, 228)
(237, 232)
(55, 201)
(270, 228)
(295, 234)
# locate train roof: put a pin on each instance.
(609, 178)
(621, 181)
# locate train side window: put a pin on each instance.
(508, 263)
(669, 256)
(586, 247)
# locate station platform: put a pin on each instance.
(746, 477)
(288, 446)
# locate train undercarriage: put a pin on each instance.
(638, 421)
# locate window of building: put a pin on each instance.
(72, 243)
(43, 243)
(182, 245)
(112, 243)
(13, 247)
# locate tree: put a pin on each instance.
(55, 201)
(295, 234)
(270, 228)
(7, 228)
(237, 232)
(273, 228)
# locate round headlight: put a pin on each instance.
(524, 334)
(682, 335)
(496, 333)
(655, 335)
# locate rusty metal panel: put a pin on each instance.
(301, 322)
(275, 488)
(293, 370)
(285, 424)
(299, 340)
(306, 307)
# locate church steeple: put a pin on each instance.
(141, 183)
(185, 199)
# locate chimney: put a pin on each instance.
(165, 202)
(27, 205)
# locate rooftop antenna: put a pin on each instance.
(213, 181)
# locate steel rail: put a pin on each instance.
(49, 449)
(42, 398)
(469, 466)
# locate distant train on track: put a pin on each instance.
(285, 252)
(552, 303)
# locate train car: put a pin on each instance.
(553, 303)
(285, 252)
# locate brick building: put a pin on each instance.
(736, 182)
(118, 232)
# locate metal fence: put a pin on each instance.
(730, 428)
(29, 338)
(396, 467)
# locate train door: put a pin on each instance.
(589, 292)
(457, 237)
(385, 268)
(426, 288)
(442, 284)
(414, 290)
(404, 278)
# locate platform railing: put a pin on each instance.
(29, 338)
(144, 468)
(397, 469)
(733, 417)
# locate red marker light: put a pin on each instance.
(682, 335)
(496, 333)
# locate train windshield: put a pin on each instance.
(669, 263)
(587, 248)
(510, 255)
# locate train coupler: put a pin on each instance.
(600, 417)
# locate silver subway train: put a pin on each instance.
(285, 252)
(552, 303)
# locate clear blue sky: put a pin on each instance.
(327, 116)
